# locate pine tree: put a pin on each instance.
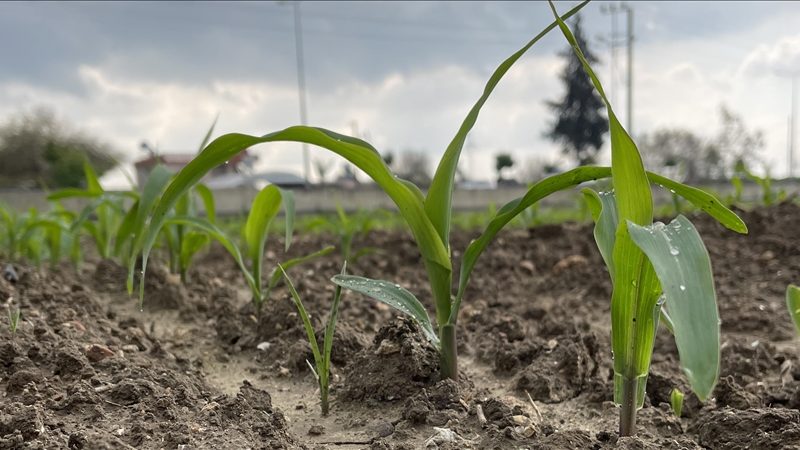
(580, 123)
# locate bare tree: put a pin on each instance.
(414, 166)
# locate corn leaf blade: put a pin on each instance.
(309, 327)
(793, 304)
(438, 204)
(684, 269)
(220, 236)
(356, 151)
(265, 207)
(207, 197)
(604, 213)
(393, 295)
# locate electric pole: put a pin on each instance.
(792, 127)
(301, 83)
(613, 9)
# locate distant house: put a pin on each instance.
(256, 180)
(235, 174)
(176, 161)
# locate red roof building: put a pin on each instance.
(177, 161)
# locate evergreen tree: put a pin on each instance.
(580, 123)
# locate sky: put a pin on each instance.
(400, 74)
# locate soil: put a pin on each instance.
(200, 368)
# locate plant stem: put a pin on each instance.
(627, 413)
(449, 352)
(323, 397)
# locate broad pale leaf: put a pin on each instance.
(684, 269)
(393, 295)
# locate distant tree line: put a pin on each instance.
(39, 151)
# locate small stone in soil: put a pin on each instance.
(316, 430)
(97, 352)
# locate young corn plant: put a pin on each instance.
(182, 242)
(768, 195)
(50, 235)
(322, 359)
(13, 319)
(249, 257)
(657, 271)
(348, 228)
(793, 304)
(101, 217)
(676, 401)
(427, 216)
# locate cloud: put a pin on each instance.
(781, 58)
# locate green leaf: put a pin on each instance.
(71, 193)
(703, 200)
(264, 208)
(393, 295)
(220, 236)
(207, 137)
(569, 179)
(438, 204)
(125, 230)
(207, 197)
(684, 269)
(676, 401)
(793, 303)
(159, 177)
(192, 243)
(358, 152)
(604, 213)
(312, 338)
(513, 208)
(92, 182)
(330, 328)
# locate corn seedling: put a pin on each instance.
(656, 271)
(793, 304)
(265, 207)
(101, 217)
(428, 216)
(768, 195)
(676, 401)
(50, 235)
(21, 238)
(184, 243)
(13, 319)
(348, 228)
(322, 359)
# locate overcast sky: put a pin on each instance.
(401, 74)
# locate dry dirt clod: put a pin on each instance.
(98, 352)
(570, 262)
(316, 430)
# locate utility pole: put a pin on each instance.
(613, 9)
(792, 127)
(301, 83)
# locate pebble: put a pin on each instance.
(97, 352)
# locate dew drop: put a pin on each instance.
(683, 288)
(674, 251)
